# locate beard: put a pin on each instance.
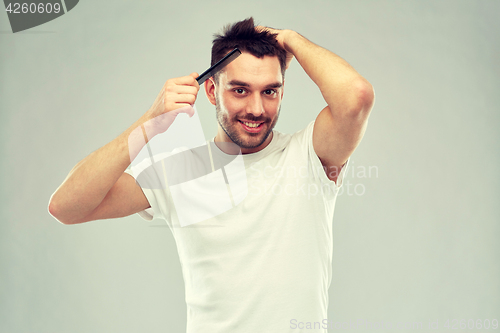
(235, 131)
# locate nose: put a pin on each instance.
(255, 106)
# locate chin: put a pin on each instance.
(239, 136)
(250, 140)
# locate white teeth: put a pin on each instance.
(251, 124)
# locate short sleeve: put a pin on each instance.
(317, 167)
(153, 196)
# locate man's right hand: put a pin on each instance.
(176, 93)
(176, 96)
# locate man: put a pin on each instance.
(267, 266)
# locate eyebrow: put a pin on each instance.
(244, 84)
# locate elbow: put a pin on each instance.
(362, 100)
(367, 96)
(56, 212)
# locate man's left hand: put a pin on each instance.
(281, 37)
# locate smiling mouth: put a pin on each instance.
(251, 124)
(252, 127)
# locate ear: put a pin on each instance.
(210, 90)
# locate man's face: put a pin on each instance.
(247, 99)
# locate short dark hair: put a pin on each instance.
(243, 35)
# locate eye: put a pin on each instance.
(270, 92)
(239, 91)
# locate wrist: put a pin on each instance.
(290, 38)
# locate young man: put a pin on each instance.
(266, 267)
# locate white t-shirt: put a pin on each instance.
(263, 265)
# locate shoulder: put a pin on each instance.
(300, 137)
(279, 142)
(303, 137)
(296, 145)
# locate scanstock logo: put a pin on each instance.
(26, 14)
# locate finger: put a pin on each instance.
(195, 76)
(184, 80)
(260, 28)
(188, 109)
(182, 98)
(181, 89)
(177, 108)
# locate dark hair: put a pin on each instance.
(244, 36)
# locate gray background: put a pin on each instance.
(421, 242)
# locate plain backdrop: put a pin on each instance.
(415, 240)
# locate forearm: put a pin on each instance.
(340, 84)
(91, 179)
